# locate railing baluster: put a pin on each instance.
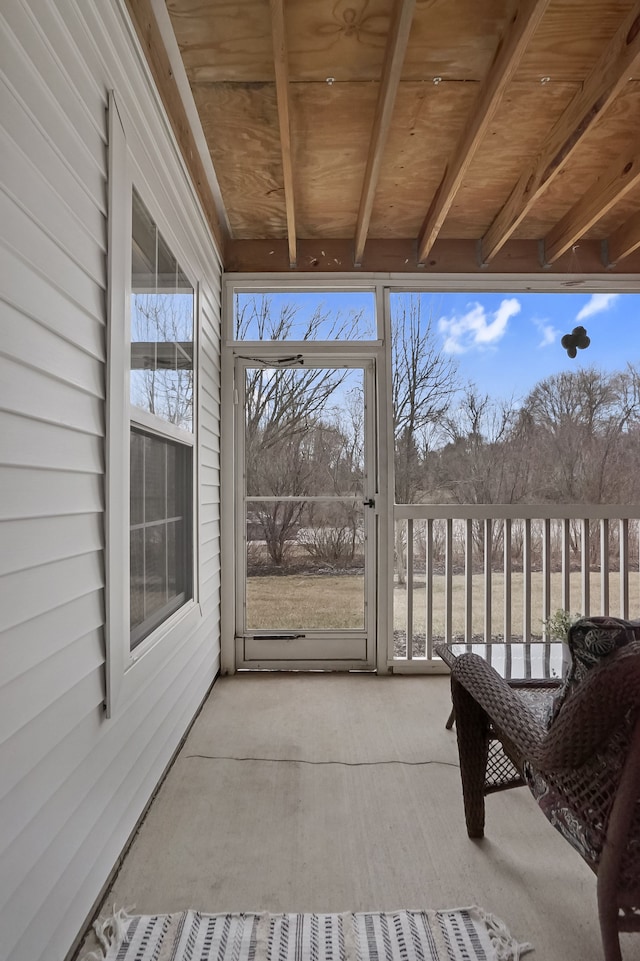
(566, 564)
(468, 581)
(604, 566)
(448, 582)
(585, 567)
(409, 587)
(526, 582)
(624, 568)
(547, 657)
(428, 619)
(488, 553)
(546, 572)
(507, 580)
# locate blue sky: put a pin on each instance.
(506, 343)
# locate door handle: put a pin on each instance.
(370, 502)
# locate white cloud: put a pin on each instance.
(548, 332)
(597, 304)
(478, 327)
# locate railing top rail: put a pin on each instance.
(516, 511)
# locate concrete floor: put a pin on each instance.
(328, 792)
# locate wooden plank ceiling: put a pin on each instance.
(412, 135)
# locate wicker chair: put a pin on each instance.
(583, 768)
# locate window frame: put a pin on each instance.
(125, 174)
(149, 625)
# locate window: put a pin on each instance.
(304, 315)
(160, 526)
(162, 303)
(161, 394)
(151, 580)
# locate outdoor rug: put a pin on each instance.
(463, 934)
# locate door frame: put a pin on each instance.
(272, 649)
(378, 350)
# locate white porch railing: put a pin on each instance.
(481, 574)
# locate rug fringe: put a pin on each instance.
(506, 947)
(110, 932)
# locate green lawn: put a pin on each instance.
(317, 601)
(309, 601)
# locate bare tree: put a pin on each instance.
(582, 424)
(162, 355)
(483, 463)
(485, 460)
(575, 438)
(294, 444)
(423, 382)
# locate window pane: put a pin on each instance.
(304, 431)
(136, 487)
(489, 407)
(162, 307)
(305, 564)
(155, 479)
(175, 482)
(155, 576)
(137, 577)
(160, 542)
(305, 315)
(174, 572)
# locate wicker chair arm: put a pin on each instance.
(601, 704)
(507, 711)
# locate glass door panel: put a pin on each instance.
(306, 519)
(319, 583)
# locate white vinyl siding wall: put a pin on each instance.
(72, 783)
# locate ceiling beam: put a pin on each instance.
(506, 61)
(610, 73)
(397, 40)
(624, 240)
(518, 260)
(281, 66)
(150, 37)
(603, 195)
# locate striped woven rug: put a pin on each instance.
(463, 934)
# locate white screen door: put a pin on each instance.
(305, 514)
